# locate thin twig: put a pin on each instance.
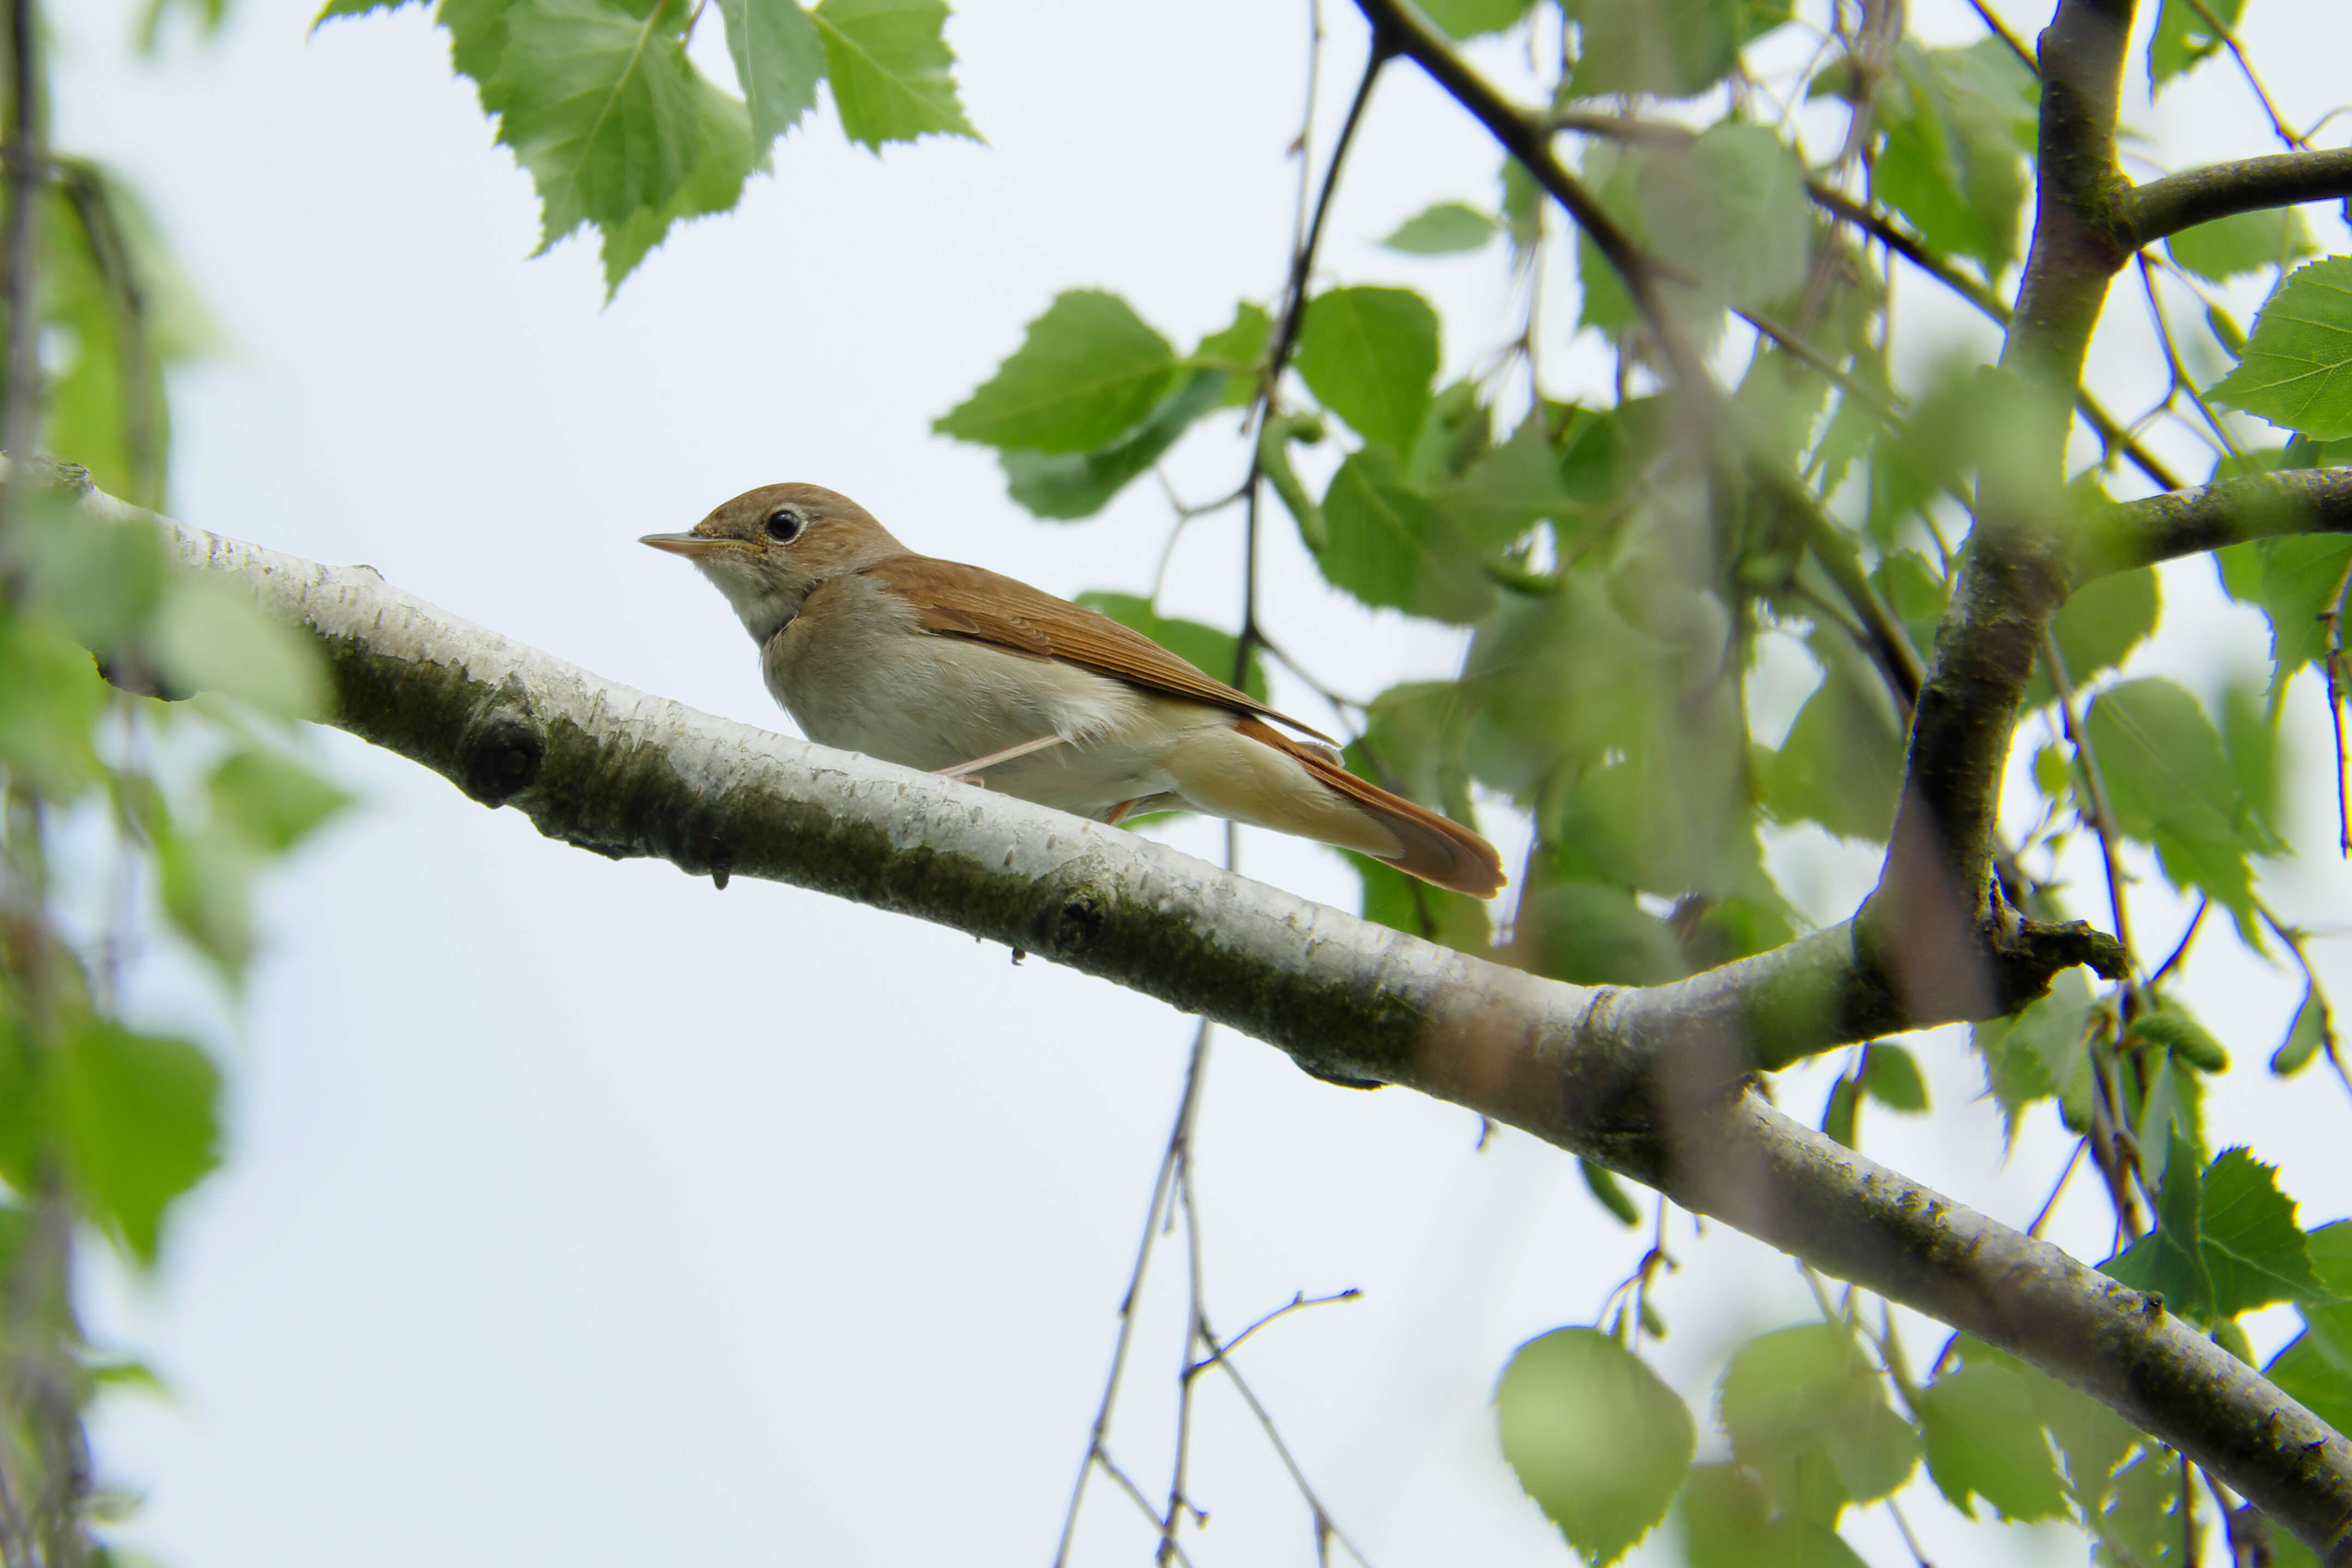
(1323, 1520)
(2223, 31)
(1299, 1302)
(25, 174)
(1194, 1073)
(2181, 949)
(2000, 30)
(2095, 790)
(2041, 1214)
(2179, 369)
(1286, 340)
(2338, 671)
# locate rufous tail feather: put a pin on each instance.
(1432, 847)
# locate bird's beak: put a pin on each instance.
(691, 545)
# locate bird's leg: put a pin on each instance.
(1006, 755)
(1118, 813)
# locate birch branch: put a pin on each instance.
(2176, 201)
(1652, 1081)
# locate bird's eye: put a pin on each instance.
(783, 525)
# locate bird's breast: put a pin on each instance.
(857, 672)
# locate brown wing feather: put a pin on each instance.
(955, 600)
(1435, 848)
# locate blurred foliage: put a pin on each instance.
(1618, 585)
(116, 808)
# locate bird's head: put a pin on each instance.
(767, 547)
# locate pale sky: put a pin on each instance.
(579, 1212)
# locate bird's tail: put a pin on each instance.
(1251, 773)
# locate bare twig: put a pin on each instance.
(1999, 29)
(2229, 36)
(1099, 1433)
(2095, 791)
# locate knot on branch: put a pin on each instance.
(2031, 955)
(1080, 922)
(501, 757)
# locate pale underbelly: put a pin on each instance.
(978, 702)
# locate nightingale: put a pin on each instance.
(934, 665)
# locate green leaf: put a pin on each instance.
(1205, 648)
(1469, 18)
(2140, 1526)
(206, 887)
(1087, 372)
(2042, 1050)
(208, 635)
(1951, 161)
(714, 187)
(1521, 206)
(2098, 626)
(2170, 786)
(612, 121)
(2249, 738)
(1726, 1522)
(1841, 764)
(2183, 37)
(335, 8)
(1445, 229)
(2254, 1252)
(104, 365)
(1410, 905)
(2310, 1031)
(1984, 1439)
(2243, 242)
(1674, 49)
(1239, 350)
(891, 70)
(2316, 1367)
(270, 800)
(96, 580)
(1732, 210)
(1371, 355)
(2170, 1259)
(1411, 746)
(2174, 1103)
(2091, 1439)
(1839, 1110)
(1066, 485)
(1592, 935)
(1393, 547)
(142, 1127)
(1806, 1412)
(1274, 438)
(2293, 581)
(1456, 431)
(51, 700)
(1610, 1193)
(1508, 488)
(1612, 174)
(2296, 370)
(779, 59)
(1595, 1438)
(1891, 1075)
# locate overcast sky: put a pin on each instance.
(580, 1212)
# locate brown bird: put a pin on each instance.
(930, 664)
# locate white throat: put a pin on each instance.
(764, 608)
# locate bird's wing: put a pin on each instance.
(954, 600)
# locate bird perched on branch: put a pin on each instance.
(930, 664)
